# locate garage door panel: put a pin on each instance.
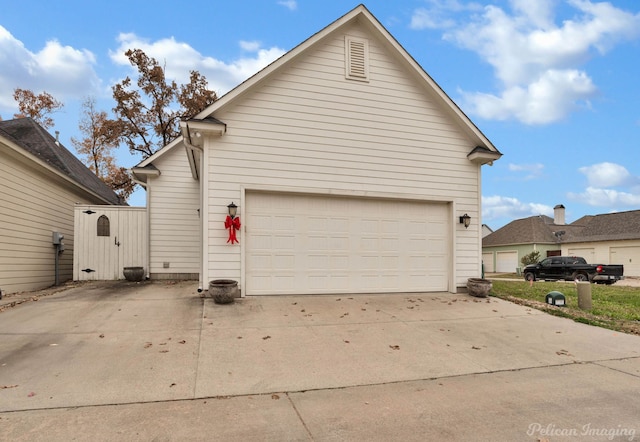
(506, 261)
(487, 261)
(629, 257)
(364, 250)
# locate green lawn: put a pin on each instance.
(614, 307)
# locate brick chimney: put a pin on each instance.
(558, 215)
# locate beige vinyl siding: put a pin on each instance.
(34, 202)
(174, 218)
(309, 129)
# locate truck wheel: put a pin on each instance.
(529, 276)
(581, 277)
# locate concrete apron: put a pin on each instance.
(307, 367)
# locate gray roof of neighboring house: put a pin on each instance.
(29, 135)
(542, 230)
(535, 229)
(609, 227)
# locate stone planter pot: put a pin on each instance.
(223, 291)
(134, 274)
(479, 287)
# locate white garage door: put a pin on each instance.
(507, 262)
(487, 261)
(302, 244)
(627, 256)
(587, 253)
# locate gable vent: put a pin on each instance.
(357, 58)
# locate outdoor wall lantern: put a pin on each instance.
(232, 223)
(233, 210)
(466, 220)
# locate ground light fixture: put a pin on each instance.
(556, 298)
(466, 220)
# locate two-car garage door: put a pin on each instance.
(299, 244)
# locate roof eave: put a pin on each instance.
(142, 174)
(482, 155)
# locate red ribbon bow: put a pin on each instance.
(232, 224)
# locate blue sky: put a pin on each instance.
(554, 84)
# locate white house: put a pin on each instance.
(351, 168)
(40, 184)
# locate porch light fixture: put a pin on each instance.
(466, 220)
(233, 210)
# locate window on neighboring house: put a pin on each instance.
(103, 226)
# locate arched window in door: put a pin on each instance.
(103, 226)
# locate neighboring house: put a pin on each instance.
(612, 238)
(40, 183)
(486, 230)
(352, 170)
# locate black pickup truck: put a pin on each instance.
(573, 268)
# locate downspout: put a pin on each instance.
(480, 271)
(203, 213)
(148, 208)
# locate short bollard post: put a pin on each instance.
(584, 295)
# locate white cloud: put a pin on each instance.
(606, 198)
(495, 207)
(63, 71)
(610, 185)
(180, 58)
(547, 99)
(430, 19)
(290, 4)
(250, 46)
(606, 175)
(540, 12)
(527, 171)
(536, 60)
(436, 15)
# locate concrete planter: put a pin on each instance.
(134, 274)
(223, 291)
(479, 287)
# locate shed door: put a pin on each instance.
(302, 244)
(107, 240)
(507, 262)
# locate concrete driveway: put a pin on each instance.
(155, 361)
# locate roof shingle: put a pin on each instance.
(542, 230)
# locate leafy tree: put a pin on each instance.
(100, 138)
(530, 258)
(35, 106)
(147, 116)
